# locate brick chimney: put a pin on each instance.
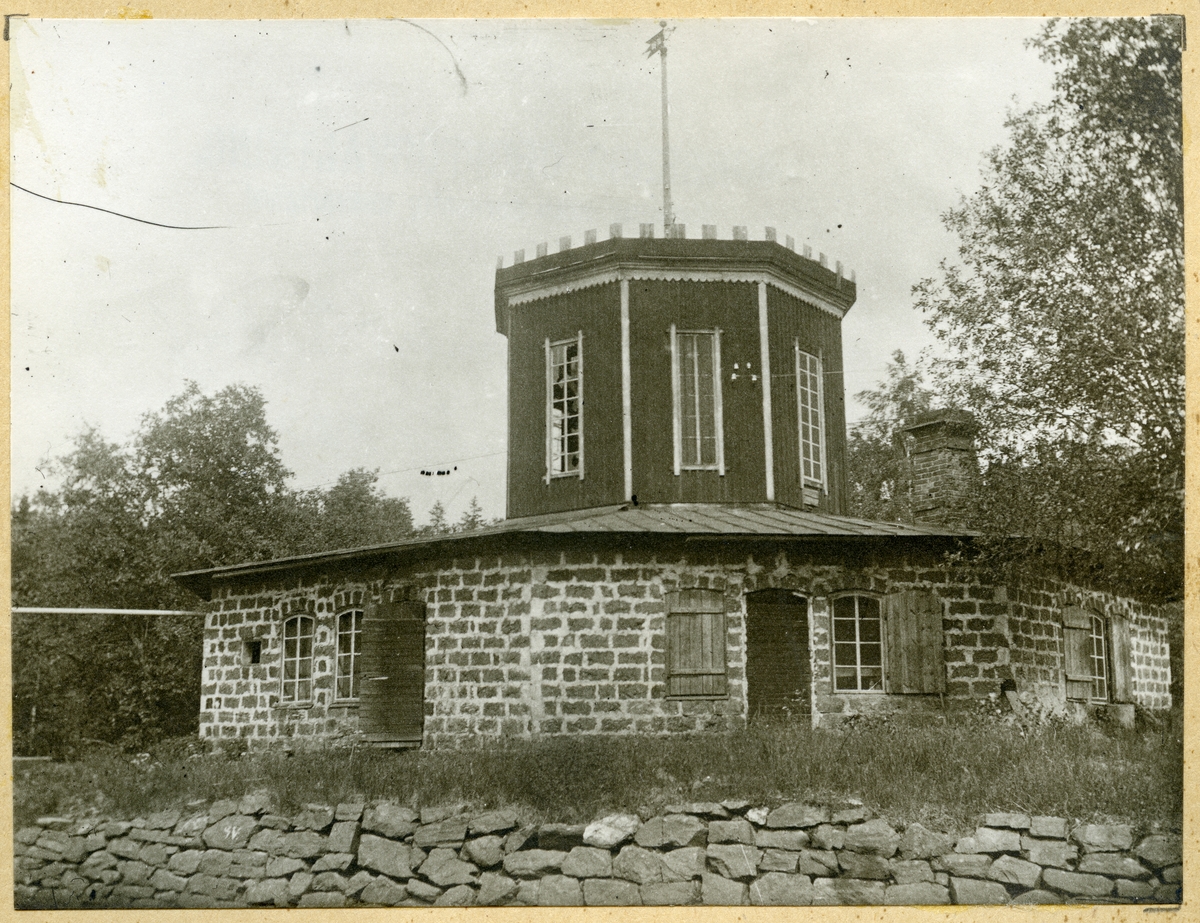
(941, 449)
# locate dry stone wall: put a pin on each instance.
(240, 854)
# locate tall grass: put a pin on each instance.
(941, 775)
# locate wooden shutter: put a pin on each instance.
(696, 643)
(1120, 660)
(913, 633)
(1077, 663)
(393, 679)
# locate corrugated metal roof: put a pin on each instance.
(715, 520)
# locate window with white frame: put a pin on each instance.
(809, 394)
(857, 644)
(564, 408)
(696, 381)
(297, 659)
(1098, 655)
(349, 654)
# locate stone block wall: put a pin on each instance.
(551, 642)
(242, 854)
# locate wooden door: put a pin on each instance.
(393, 683)
(778, 673)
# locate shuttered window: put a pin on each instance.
(1087, 656)
(696, 643)
(915, 661)
(297, 659)
(857, 644)
(349, 654)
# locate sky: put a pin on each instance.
(348, 187)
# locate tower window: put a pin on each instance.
(564, 408)
(696, 377)
(809, 394)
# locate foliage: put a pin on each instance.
(200, 484)
(973, 766)
(1063, 316)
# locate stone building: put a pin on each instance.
(677, 555)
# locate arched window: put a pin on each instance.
(297, 659)
(857, 644)
(349, 654)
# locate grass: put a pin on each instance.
(943, 776)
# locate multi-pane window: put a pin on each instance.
(297, 659)
(809, 390)
(857, 644)
(696, 360)
(1098, 658)
(564, 407)
(349, 654)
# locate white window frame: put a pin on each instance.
(677, 397)
(858, 643)
(552, 453)
(1098, 658)
(353, 655)
(293, 696)
(810, 366)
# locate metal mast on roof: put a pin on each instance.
(658, 45)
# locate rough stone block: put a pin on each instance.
(333, 862)
(1053, 853)
(383, 892)
(609, 892)
(1047, 827)
(1076, 884)
(610, 831)
(494, 889)
(778, 889)
(670, 893)
(492, 822)
(268, 891)
(444, 868)
(758, 816)
(458, 896)
(588, 862)
(423, 890)
(864, 865)
(795, 814)
(163, 820)
(1103, 837)
(349, 810)
(683, 864)
(911, 871)
(974, 891)
(304, 844)
(221, 888)
(125, 848)
(737, 862)
(970, 865)
(162, 880)
(851, 813)
(671, 831)
(322, 899)
(280, 866)
(919, 843)
(185, 862)
(990, 840)
(560, 836)
(215, 862)
(916, 893)
(486, 851)
(1010, 870)
(874, 836)
(846, 891)
(1011, 821)
(1113, 865)
(230, 832)
(794, 840)
(258, 802)
(533, 863)
(732, 831)
(716, 891)
(1172, 874)
(389, 820)
(383, 855)
(343, 837)
(709, 809)
(633, 863)
(520, 838)
(778, 860)
(1160, 850)
(1135, 890)
(818, 863)
(1038, 896)
(449, 832)
(1168, 894)
(329, 881)
(560, 891)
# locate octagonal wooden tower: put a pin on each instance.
(673, 371)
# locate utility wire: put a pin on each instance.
(109, 211)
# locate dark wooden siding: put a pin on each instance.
(597, 312)
(820, 333)
(733, 308)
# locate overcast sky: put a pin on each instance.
(365, 176)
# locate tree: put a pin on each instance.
(438, 523)
(1064, 312)
(356, 512)
(472, 517)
